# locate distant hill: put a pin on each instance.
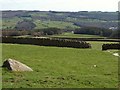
(62, 20)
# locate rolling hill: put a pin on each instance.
(63, 20)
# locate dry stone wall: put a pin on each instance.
(47, 42)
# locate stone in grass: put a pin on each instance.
(14, 65)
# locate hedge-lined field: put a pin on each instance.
(61, 67)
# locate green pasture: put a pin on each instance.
(10, 23)
(71, 35)
(56, 67)
(56, 24)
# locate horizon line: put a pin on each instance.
(63, 11)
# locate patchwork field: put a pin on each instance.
(61, 67)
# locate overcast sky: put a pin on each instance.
(60, 5)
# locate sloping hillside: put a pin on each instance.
(63, 20)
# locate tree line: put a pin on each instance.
(98, 31)
(51, 31)
(36, 32)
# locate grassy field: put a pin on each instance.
(56, 24)
(71, 35)
(10, 23)
(61, 67)
(68, 35)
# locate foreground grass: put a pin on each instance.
(61, 67)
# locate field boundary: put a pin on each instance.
(89, 39)
(111, 46)
(47, 42)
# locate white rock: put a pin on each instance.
(14, 65)
(116, 54)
